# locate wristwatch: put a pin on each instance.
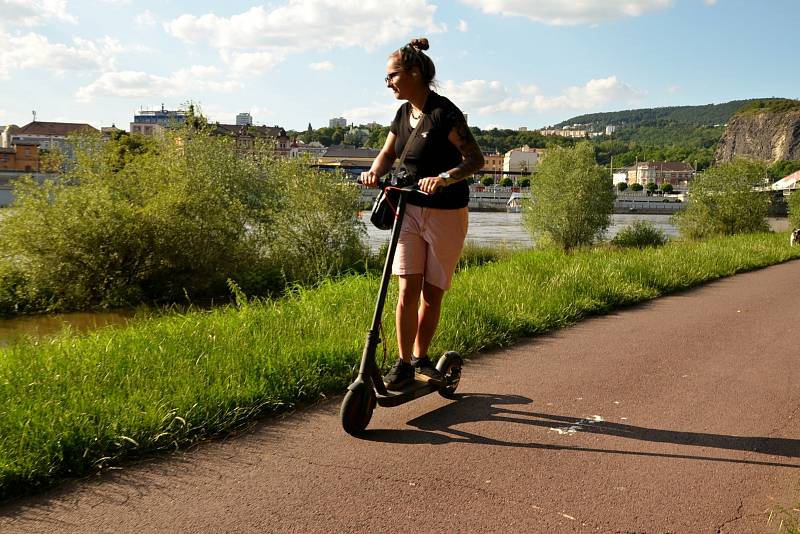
(446, 177)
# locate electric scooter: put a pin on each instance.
(368, 388)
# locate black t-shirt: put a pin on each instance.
(431, 152)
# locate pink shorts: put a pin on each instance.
(430, 243)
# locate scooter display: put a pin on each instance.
(368, 389)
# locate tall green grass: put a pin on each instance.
(75, 403)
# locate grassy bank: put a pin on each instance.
(77, 403)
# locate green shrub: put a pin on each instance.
(622, 186)
(725, 200)
(506, 182)
(525, 182)
(794, 209)
(487, 181)
(571, 199)
(640, 234)
(636, 187)
(177, 217)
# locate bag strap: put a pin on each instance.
(410, 140)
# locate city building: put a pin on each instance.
(20, 156)
(5, 135)
(353, 161)
(108, 131)
(676, 173)
(523, 160)
(337, 122)
(152, 122)
(565, 132)
(244, 119)
(493, 165)
(50, 135)
(313, 149)
(246, 136)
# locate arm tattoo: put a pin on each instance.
(470, 151)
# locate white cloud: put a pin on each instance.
(594, 94)
(248, 63)
(34, 51)
(34, 12)
(488, 97)
(322, 65)
(133, 84)
(303, 25)
(145, 19)
(711, 2)
(380, 113)
(463, 26)
(561, 13)
(473, 95)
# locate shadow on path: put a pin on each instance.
(438, 428)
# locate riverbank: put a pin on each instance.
(81, 403)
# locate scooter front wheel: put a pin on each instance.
(356, 410)
(449, 365)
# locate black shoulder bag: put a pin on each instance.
(384, 209)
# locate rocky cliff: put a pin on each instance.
(768, 136)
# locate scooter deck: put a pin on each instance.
(413, 391)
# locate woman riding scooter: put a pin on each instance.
(442, 155)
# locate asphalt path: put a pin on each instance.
(679, 415)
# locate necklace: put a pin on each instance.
(416, 117)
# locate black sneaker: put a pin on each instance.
(399, 376)
(426, 372)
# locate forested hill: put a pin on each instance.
(708, 115)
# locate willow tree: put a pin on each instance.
(572, 198)
(725, 200)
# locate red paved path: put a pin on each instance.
(681, 415)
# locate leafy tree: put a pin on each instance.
(781, 169)
(666, 188)
(506, 182)
(651, 187)
(725, 200)
(637, 187)
(487, 181)
(525, 182)
(794, 209)
(123, 147)
(571, 199)
(622, 186)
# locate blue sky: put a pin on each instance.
(506, 63)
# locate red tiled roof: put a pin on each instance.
(61, 129)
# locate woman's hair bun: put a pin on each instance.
(420, 44)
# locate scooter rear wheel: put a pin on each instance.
(356, 410)
(449, 365)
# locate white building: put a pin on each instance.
(244, 119)
(337, 122)
(610, 129)
(522, 160)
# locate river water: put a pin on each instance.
(499, 228)
(493, 228)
